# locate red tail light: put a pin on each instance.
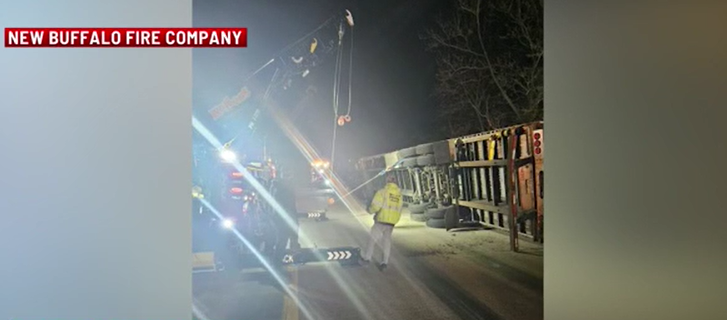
(236, 190)
(237, 174)
(537, 143)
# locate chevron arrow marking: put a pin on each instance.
(339, 255)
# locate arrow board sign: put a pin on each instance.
(339, 255)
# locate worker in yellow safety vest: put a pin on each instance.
(386, 208)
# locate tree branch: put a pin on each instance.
(489, 64)
(493, 78)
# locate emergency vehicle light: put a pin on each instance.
(320, 164)
(237, 174)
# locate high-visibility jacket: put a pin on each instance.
(386, 205)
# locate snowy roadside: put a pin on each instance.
(478, 262)
(413, 238)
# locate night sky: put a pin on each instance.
(393, 75)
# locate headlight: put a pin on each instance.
(328, 182)
(197, 192)
(228, 224)
(228, 155)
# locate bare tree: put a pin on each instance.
(489, 64)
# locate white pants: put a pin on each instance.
(381, 235)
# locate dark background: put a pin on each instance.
(393, 75)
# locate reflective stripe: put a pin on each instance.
(390, 212)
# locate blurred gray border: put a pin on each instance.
(95, 168)
(634, 110)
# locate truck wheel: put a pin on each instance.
(406, 153)
(425, 160)
(437, 213)
(418, 217)
(418, 208)
(408, 163)
(423, 149)
(436, 223)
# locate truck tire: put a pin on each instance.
(426, 160)
(408, 163)
(418, 217)
(423, 149)
(437, 213)
(407, 153)
(418, 208)
(436, 223)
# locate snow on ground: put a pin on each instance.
(478, 262)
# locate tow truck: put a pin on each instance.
(315, 200)
(246, 219)
(234, 185)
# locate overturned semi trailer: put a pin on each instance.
(494, 179)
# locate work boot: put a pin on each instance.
(382, 267)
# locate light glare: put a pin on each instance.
(228, 155)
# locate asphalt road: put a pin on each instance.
(432, 275)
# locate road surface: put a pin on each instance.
(433, 274)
